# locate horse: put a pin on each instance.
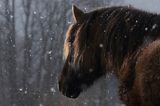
(121, 40)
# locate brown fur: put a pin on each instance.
(148, 74)
(118, 39)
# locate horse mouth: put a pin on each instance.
(74, 96)
(70, 92)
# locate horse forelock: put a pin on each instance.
(69, 38)
(76, 38)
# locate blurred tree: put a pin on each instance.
(10, 49)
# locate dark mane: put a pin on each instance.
(121, 30)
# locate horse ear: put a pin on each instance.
(77, 14)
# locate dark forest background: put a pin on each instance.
(31, 50)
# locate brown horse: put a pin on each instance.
(122, 40)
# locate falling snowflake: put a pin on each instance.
(146, 29)
(20, 89)
(25, 92)
(41, 17)
(49, 52)
(85, 9)
(35, 12)
(52, 90)
(154, 26)
(29, 35)
(101, 45)
(11, 16)
(40, 104)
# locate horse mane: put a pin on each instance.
(121, 31)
